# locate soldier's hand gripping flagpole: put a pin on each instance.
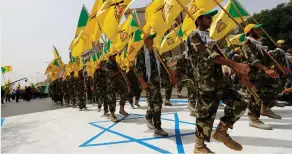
(246, 83)
(274, 61)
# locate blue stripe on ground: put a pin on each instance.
(2, 121)
(99, 134)
(179, 144)
(135, 140)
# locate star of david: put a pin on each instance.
(141, 141)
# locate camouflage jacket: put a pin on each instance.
(208, 76)
(65, 87)
(280, 56)
(255, 53)
(72, 84)
(80, 86)
(184, 70)
(141, 68)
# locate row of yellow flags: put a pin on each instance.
(104, 20)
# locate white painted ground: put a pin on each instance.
(71, 131)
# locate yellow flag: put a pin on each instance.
(83, 44)
(155, 17)
(171, 40)
(110, 15)
(135, 43)
(236, 39)
(207, 5)
(6, 69)
(222, 24)
(92, 28)
(125, 30)
(172, 8)
(56, 53)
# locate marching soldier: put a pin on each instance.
(115, 84)
(72, 88)
(135, 88)
(207, 60)
(100, 87)
(167, 85)
(264, 79)
(89, 84)
(81, 91)
(186, 74)
(149, 75)
(66, 91)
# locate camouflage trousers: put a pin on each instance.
(73, 98)
(269, 90)
(82, 100)
(67, 98)
(100, 99)
(192, 93)
(154, 102)
(116, 86)
(89, 96)
(207, 106)
(165, 83)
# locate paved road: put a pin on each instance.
(24, 107)
(39, 105)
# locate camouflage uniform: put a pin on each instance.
(65, 91)
(72, 89)
(166, 84)
(89, 84)
(115, 84)
(267, 88)
(135, 87)
(153, 93)
(100, 86)
(81, 92)
(211, 87)
(186, 76)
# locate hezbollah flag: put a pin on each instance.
(6, 69)
(109, 16)
(171, 40)
(92, 28)
(55, 52)
(172, 8)
(82, 22)
(236, 39)
(90, 67)
(127, 28)
(135, 43)
(155, 18)
(222, 24)
(55, 66)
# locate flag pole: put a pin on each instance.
(138, 21)
(126, 79)
(237, 10)
(274, 61)
(244, 82)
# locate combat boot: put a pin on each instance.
(266, 111)
(167, 103)
(221, 135)
(255, 122)
(179, 95)
(113, 117)
(106, 114)
(201, 148)
(132, 106)
(137, 103)
(149, 123)
(160, 132)
(122, 110)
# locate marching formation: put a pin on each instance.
(252, 77)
